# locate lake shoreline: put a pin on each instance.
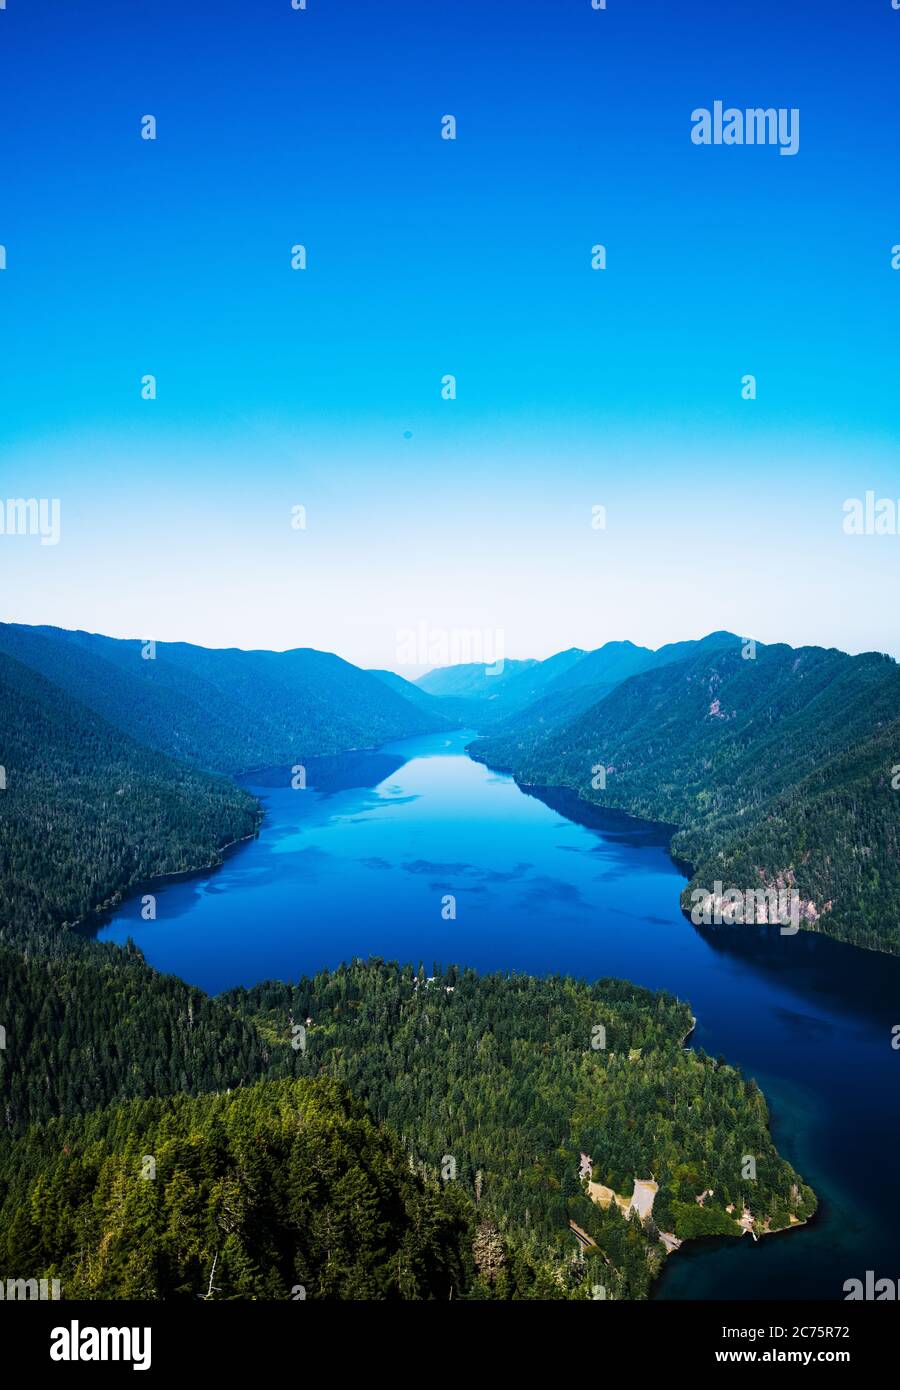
(806, 1016)
(684, 866)
(99, 917)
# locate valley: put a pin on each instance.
(568, 924)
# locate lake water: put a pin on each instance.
(360, 864)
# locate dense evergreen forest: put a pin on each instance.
(223, 710)
(492, 1086)
(280, 1190)
(776, 770)
(504, 1074)
(86, 813)
(91, 1024)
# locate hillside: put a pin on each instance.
(428, 704)
(606, 666)
(91, 1025)
(501, 1073)
(472, 680)
(281, 1190)
(480, 1094)
(86, 813)
(775, 770)
(475, 695)
(540, 695)
(228, 710)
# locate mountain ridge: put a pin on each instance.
(225, 710)
(722, 747)
(543, 692)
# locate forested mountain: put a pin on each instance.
(223, 710)
(604, 667)
(91, 1025)
(841, 823)
(493, 1086)
(428, 704)
(486, 696)
(86, 813)
(539, 695)
(281, 1190)
(533, 679)
(473, 680)
(614, 662)
(547, 713)
(503, 1075)
(474, 694)
(776, 769)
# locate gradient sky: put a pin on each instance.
(322, 388)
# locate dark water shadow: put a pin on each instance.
(617, 826)
(338, 772)
(848, 979)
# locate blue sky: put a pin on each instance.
(575, 387)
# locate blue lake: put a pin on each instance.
(362, 861)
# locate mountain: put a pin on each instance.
(776, 769)
(282, 1190)
(540, 695)
(428, 704)
(472, 680)
(474, 695)
(547, 713)
(534, 678)
(456, 1163)
(680, 651)
(264, 1161)
(86, 813)
(614, 662)
(518, 1092)
(223, 710)
(605, 667)
(93, 1026)
(587, 682)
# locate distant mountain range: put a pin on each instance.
(547, 692)
(428, 704)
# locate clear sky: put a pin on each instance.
(576, 388)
